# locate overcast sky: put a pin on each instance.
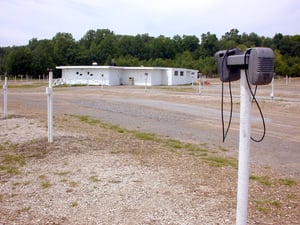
(22, 20)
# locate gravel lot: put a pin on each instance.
(97, 173)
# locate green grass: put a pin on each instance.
(218, 161)
(74, 204)
(115, 151)
(63, 173)
(8, 146)
(26, 183)
(223, 149)
(265, 180)
(42, 177)
(25, 209)
(45, 184)
(266, 205)
(27, 86)
(94, 178)
(144, 136)
(11, 164)
(201, 150)
(180, 88)
(292, 196)
(73, 184)
(14, 159)
(10, 169)
(288, 182)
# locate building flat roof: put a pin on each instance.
(121, 67)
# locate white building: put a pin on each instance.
(117, 75)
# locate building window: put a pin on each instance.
(175, 73)
(181, 73)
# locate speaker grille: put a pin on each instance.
(265, 65)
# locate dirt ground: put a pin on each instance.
(130, 155)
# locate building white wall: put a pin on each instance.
(111, 75)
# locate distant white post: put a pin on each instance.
(244, 151)
(102, 81)
(272, 92)
(192, 80)
(200, 84)
(146, 81)
(5, 96)
(50, 108)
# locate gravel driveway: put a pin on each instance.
(96, 173)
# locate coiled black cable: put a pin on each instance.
(254, 99)
(222, 101)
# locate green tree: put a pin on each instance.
(161, 47)
(87, 40)
(190, 43)
(3, 58)
(281, 67)
(105, 50)
(19, 61)
(65, 49)
(184, 60)
(42, 57)
(209, 45)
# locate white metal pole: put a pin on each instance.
(146, 81)
(244, 151)
(5, 96)
(192, 80)
(200, 85)
(272, 92)
(50, 108)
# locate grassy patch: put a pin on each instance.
(27, 86)
(196, 150)
(74, 204)
(46, 184)
(14, 159)
(63, 173)
(292, 196)
(26, 183)
(42, 177)
(115, 152)
(145, 136)
(10, 169)
(179, 88)
(288, 182)
(8, 146)
(73, 184)
(217, 161)
(266, 206)
(10, 164)
(25, 209)
(94, 178)
(174, 143)
(265, 180)
(223, 149)
(89, 120)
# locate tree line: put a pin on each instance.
(107, 48)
